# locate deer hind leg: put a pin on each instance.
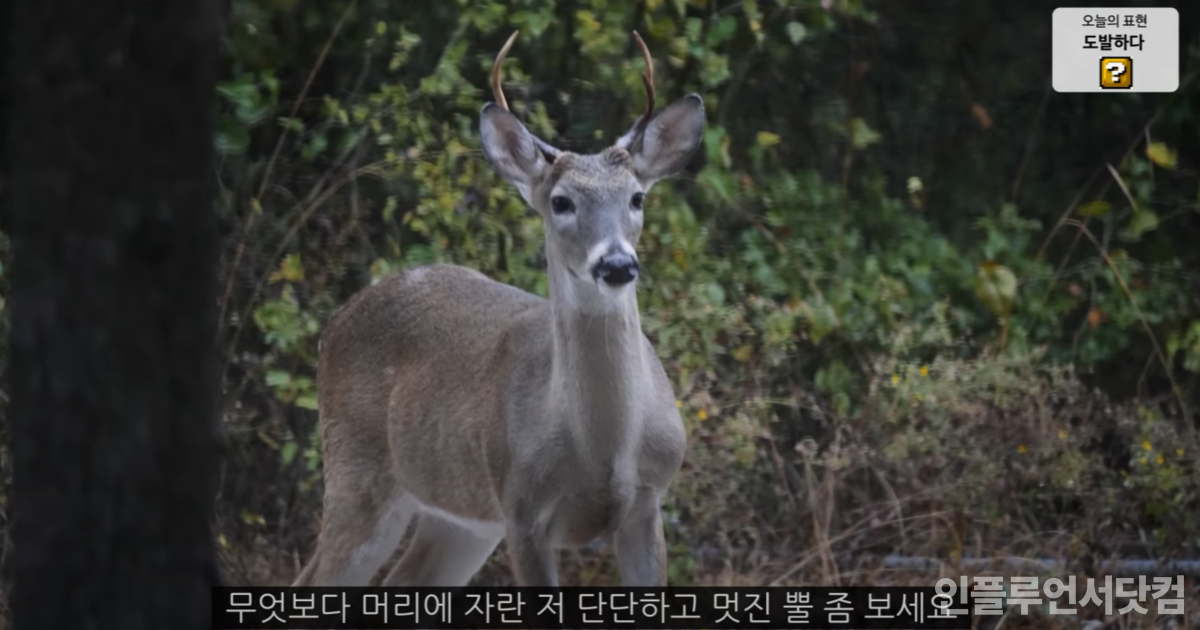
(359, 533)
(443, 553)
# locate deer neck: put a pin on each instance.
(599, 369)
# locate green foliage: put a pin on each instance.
(251, 99)
(285, 326)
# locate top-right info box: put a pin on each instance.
(1115, 50)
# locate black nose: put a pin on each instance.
(616, 269)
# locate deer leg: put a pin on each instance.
(529, 545)
(358, 535)
(441, 554)
(642, 550)
(533, 560)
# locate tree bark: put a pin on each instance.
(113, 416)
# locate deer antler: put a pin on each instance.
(647, 79)
(546, 148)
(497, 91)
(639, 126)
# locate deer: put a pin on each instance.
(487, 413)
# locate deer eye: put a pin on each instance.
(636, 201)
(561, 205)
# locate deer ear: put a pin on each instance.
(511, 149)
(669, 140)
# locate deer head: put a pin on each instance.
(592, 205)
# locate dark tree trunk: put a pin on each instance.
(113, 368)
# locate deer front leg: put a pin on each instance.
(641, 549)
(530, 548)
(533, 560)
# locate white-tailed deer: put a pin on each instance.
(489, 413)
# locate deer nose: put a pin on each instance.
(616, 269)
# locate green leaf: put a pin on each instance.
(716, 294)
(278, 378)
(754, 18)
(1162, 155)
(307, 401)
(821, 321)
(861, 134)
(1140, 222)
(693, 27)
(587, 22)
(535, 22)
(315, 146)
(290, 270)
(718, 181)
(996, 287)
(389, 209)
(272, 82)
(796, 32)
(351, 139)
(241, 92)
(253, 114)
(767, 139)
(292, 124)
(232, 137)
(1095, 209)
(1190, 345)
(287, 453)
(721, 30)
(716, 147)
